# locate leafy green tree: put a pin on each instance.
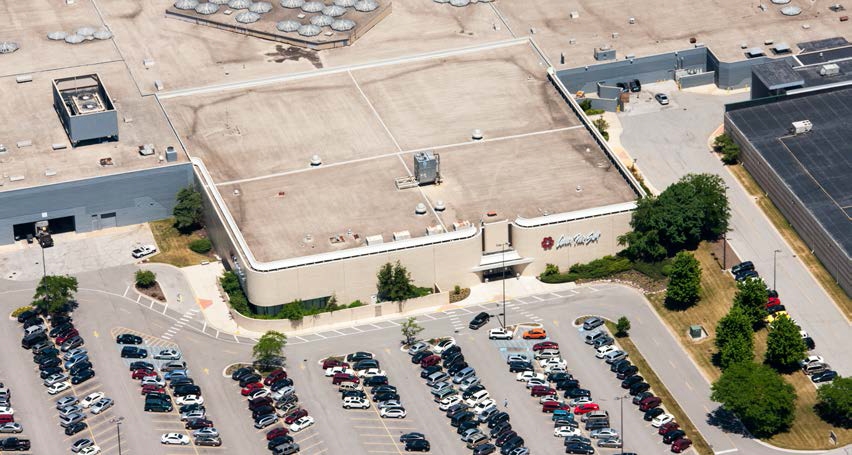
(758, 395)
(145, 278)
(54, 293)
(602, 125)
(784, 344)
(384, 286)
(189, 210)
(734, 338)
(394, 283)
(292, 311)
(269, 349)
(835, 402)
(684, 281)
(410, 329)
(751, 297)
(231, 285)
(622, 327)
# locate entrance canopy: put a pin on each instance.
(496, 260)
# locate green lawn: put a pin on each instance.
(174, 246)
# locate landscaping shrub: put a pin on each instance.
(145, 278)
(599, 268)
(201, 246)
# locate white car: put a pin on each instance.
(7, 410)
(581, 400)
(189, 399)
(499, 333)
(370, 372)
(445, 344)
(661, 420)
(167, 354)
(174, 439)
(91, 450)
(393, 413)
(448, 402)
(552, 368)
(355, 402)
(544, 363)
(483, 405)
(536, 381)
(153, 380)
(477, 397)
(59, 387)
(517, 358)
(811, 359)
(541, 400)
(208, 432)
(143, 250)
(525, 376)
(603, 433)
(331, 371)
(91, 399)
(566, 431)
(604, 350)
(301, 424)
(102, 405)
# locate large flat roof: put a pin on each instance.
(366, 124)
(817, 165)
(29, 116)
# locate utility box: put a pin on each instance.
(604, 53)
(695, 331)
(801, 127)
(85, 109)
(426, 168)
(829, 69)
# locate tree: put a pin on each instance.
(684, 281)
(784, 344)
(622, 326)
(385, 282)
(602, 125)
(835, 402)
(758, 395)
(734, 338)
(394, 283)
(188, 211)
(751, 297)
(54, 293)
(728, 148)
(269, 349)
(145, 278)
(292, 311)
(410, 329)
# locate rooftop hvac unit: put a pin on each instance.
(427, 167)
(375, 239)
(801, 127)
(830, 69)
(401, 235)
(433, 230)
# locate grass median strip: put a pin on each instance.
(661, 391)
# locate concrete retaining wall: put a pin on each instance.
(363, 313)
(607, 104)
(697, 80)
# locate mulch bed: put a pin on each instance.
(154, 291)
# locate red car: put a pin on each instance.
(295, 415)
(773, 301)
(141, 373)
(429, 361)
(545, 345)
(542, 390)
(274, 433)
(249, 388)
(586, 407)
(274, 376)
(680, 445)
(67, 335)
(328, 363)
(344, 377)
(666, 427)
(550, 406)
(151, 388)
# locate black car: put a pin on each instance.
(775, 308)
(627, 372)
(33, 321)
(240, 373)
(262, 411)
(258, 402)
(383, 389)
(180, 381)
(385, 396)
(471, 390)
(27, 315)
(191, 407)
(673, 436)
(519, 366)
(75, 428)
(82, 366)
(620, 365)
(250, 379)
(825, 376)
(132, 352)
(373, 381)
(197, 424)
(567, 384)
(577, 393)
(417, 445)
(629, 381)
(49, 362)
(743, 267)
(275, 442)
(578, 447)
(366, 364)
(746, 275)
(503, 438)
(45, 373)
(141, 365)
(51, 350)
(184, 390)
(511, 444)
(416, 358)
(639, 387)
(497, 418)
(652, 413)
(641, 396)
(127, 338)
(449, 360)
(358, 356)
(60, 329)
(579, 440)
(456, 367)
(500, 429)
(60, 319)
(623, 86)
(479, 320)
(559, 376)
(635, 85)
(809, 342)
(461, 417)
(42, 358)
(426, 372)
(457, 408)
(467, 425)
(82, 376)
(485, 449)
(413, 436)
(281, 383)
(450, 351)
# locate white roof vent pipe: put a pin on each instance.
(477, 134)
(440, 206)
(316, 160)
(420, 209)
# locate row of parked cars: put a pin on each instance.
(358, 370)
(270, 399)
(460, 393)
(637, 387)
(8, 424)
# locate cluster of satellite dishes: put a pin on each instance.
(7, 47)
(324, 15)
(80, 35)
(461, 3)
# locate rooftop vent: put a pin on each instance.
(420, 209)
(334, 11)
(345, 3)
(316, 160)
(291, 4)
(801, 127)
(342, 25)
(830, 69)
(238, 4)
(182, 4)
(791, 11)
(322, 20)
(288, 25)
(207, 8)
(401, 235)
(375, 239)
(312, 7)
(260, 7)
(57, 36)
(366, 6)
(309, 30)
(440, 206)
(247, 17)
(477, 135)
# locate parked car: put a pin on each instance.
(417, 445)
(635, 85)
(661, 420)
(680, 445)
(662, 98)
(535, 334)
(174, 439)
(673, 436)
(301, 424)
(499, 333)
(585, 408)
(479, 320)
(142, 251)
(825, 376)
(592, 323)
(102, 405)
(128, 338)
(133, 352)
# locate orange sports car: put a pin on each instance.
(535, 334)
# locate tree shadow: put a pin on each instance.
(672, 305)
(727, 422)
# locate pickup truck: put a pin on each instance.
(14, 444)
(143, 251)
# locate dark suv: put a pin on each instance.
(132, 352)
(479, 320)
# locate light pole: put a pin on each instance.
(504, 245)
(774, 267)
(117, 421)
(621, 399)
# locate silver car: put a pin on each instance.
(167, 354)
(68, 410)
(102, 405)
(11, 427)
(54, 378)
(66, 401)
(71, 419)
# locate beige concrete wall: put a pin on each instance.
(341, 316)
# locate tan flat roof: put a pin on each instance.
(367, 124)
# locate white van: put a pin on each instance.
(615, 356)
(477, 397)
(33, 329)
(594, 336)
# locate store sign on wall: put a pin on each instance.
(570, 240)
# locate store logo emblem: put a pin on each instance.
(570, 240)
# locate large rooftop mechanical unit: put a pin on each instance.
(85, 109)
(427, 168)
